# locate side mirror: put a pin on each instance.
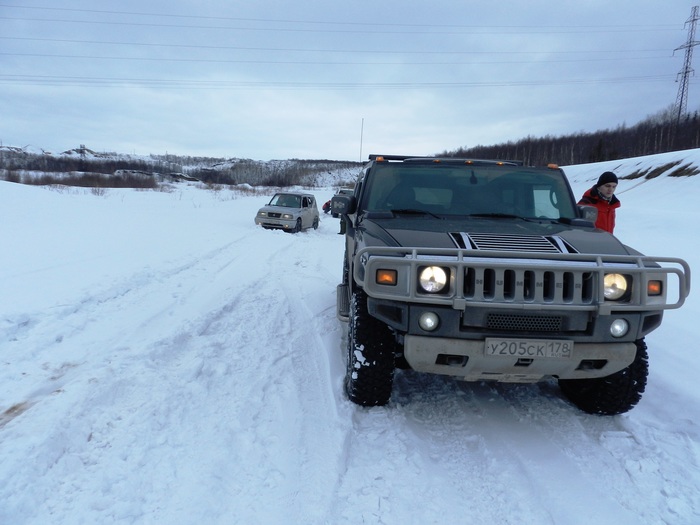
(588, 213)
(343, 204)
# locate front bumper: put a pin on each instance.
(467, 360)
(277, 224)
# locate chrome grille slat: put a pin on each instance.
(517, 286)
(512, 243)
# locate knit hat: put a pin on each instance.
(605, 178)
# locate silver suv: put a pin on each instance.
(289, 211)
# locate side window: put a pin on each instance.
(545, 202)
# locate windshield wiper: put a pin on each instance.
(413, 211)
(508, 216)
(496, 215)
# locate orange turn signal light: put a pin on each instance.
(654, 288)
(387, 277)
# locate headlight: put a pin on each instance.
(287, 216)
(432, 279)
(615, 286)
(262, 214)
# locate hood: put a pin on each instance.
(492, 234)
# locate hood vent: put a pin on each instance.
(512, 243)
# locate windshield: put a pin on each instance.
(466, 190)
(286, 200)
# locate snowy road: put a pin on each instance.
(165, 361)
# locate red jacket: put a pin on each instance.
(606, 209)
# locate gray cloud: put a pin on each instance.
(276, 80)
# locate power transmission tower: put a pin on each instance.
(684, 74)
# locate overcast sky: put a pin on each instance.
(328, 79)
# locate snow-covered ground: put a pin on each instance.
(164, 361)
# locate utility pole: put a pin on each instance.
(684, 74)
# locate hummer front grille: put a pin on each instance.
(534, 285)
(522, 280)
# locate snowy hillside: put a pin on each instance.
(163, 360)
(29, 165)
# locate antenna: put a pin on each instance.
(362, 131)
(682, 99)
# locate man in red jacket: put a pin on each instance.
(602, 197)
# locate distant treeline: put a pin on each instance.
(14, 159)
(88, 180)
(270, 173)
(82, 166)
(660, 133)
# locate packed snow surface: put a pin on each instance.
(165, 361)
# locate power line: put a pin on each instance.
(363, 23)
(55, 80)
(287, 62)
(309, 50)
(433, 30)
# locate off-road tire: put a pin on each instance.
(370, 364)
(613, 394)
(297, 226)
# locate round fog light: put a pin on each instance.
(619, 327)
(429, 321)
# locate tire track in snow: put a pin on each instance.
(322, 433)
(90, 324)
(476, 438)
(626, 461)
(556, 481)
(200, 372)
(287, 314)
(277, 384)
(420, 452)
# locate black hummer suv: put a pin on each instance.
(488, 270)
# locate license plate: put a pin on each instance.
(530, 348)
